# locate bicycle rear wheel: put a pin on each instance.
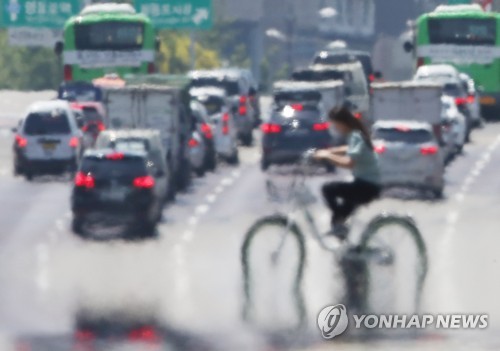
(393, 282)
(271, 241)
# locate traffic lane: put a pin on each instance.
(244, 200)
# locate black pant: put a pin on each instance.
(344, 197)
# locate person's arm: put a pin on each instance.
(339, 150)
(338, 160)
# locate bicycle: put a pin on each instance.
(353, 258)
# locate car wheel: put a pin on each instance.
(247, 139)
(184, 177)
(77, 226)
(234, 159)
(17, 170)
(438, 193)
(200, 172)
(211, 163)
(28, 176)
(264, 164)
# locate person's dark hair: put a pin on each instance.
(344, 116)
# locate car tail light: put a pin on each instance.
(379, 149)
(117, 156)
(371, 78)
(101, 126)
(420, 62)
(243, 99)
(151, 67)
(143, 334)
(74, 142)
(68, 72)
(460, 101)
(225, 117)
(21, 142)
(193, 143)
(428, 150)
(358, 115)
(471, 99)
(83, 180)
(269, 128)
(242, 110)
(146, 182)
(207, 130)
(321, 127)
(298, 107)
(225, 130)
(84, 335)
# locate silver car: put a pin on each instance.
(409, 155)
(222, 121)
(47, 140)
(454, 125)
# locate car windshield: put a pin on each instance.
(104, 168)
(81, 94)
(403, 135)
(46, 123)
(463, 31)
(230, 86)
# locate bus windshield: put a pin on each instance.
(109, 36)
(462, 31)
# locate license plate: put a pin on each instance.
(115, 194)
(488, 100)
(49, 146)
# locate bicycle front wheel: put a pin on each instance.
(395, 264)
(273, 258)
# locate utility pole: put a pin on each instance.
(290, 20)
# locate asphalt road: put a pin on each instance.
(189, 279)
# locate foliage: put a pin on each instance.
(27, 68)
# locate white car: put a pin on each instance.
(409, 155)
(224, 128)
(47, 140)
(473, 99)
(454, 124)
(437, 72)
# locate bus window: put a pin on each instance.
(462, 31)
(109, 36)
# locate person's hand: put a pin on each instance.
(321, 154)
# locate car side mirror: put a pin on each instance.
(377, 75)
(408, 46)
(13, 129)
(58, 48)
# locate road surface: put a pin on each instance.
(190, 278)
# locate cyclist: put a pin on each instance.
(343, 197)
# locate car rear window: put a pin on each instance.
(91, 114)
(317, 75)
(230, 86)
(212, 104)
(104, 168)
(46, 124)
(334, 59)
(411, 136)
(452, 90)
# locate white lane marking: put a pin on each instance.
(187, 236)
(447, 263)
(227, 181)
(182, 284)
(219, 189)
(42, 262)
(201, 209)
(211, 198)
(236, 173)
(193, 221)
(60, 225)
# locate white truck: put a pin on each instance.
(157, 107)
(407, 101)
(329, 93)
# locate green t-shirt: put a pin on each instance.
(365, 159)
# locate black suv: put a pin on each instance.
(116, 185)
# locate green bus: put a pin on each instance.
(468, 38)
(107, 38)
